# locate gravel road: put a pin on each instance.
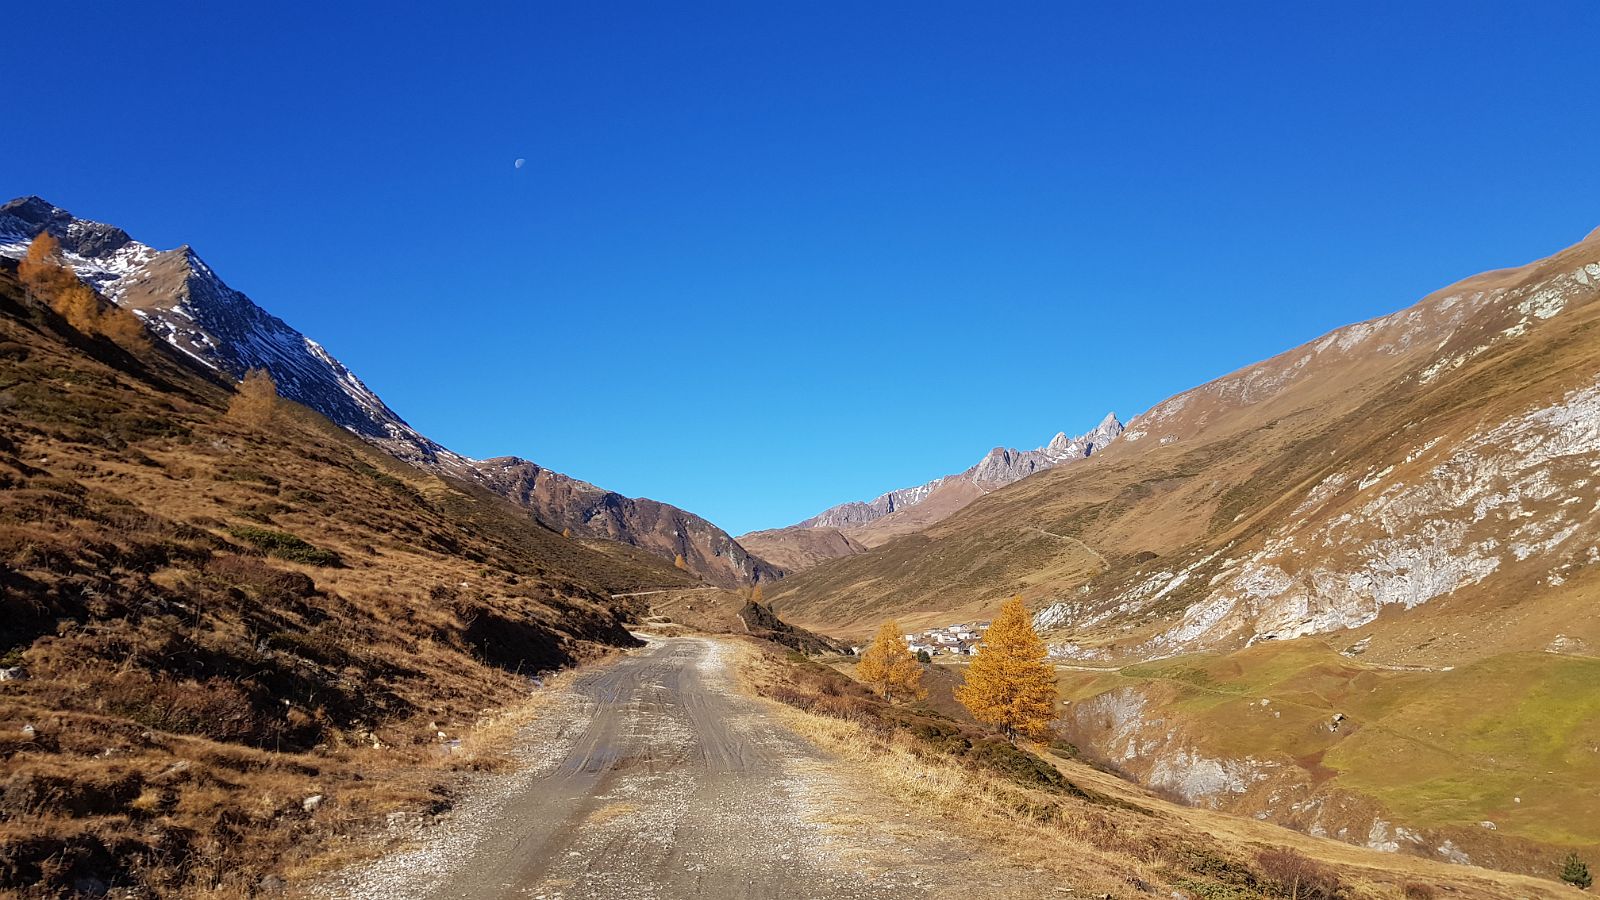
(652, 777)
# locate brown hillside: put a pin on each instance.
(1203, 481)
(796, 549)
(205, 621)
(186, 304)
(1349, 589)
(658, 528)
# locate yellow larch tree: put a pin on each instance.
(256, 403)
(889, 666)
(49, 280)
(756, 596)
(681, 563)
(41, 270)
(1009, 684)
(79, 306)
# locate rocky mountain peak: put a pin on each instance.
(35, 210)
(999, 467)
(27, 216)
(180, 299)
(184, 302)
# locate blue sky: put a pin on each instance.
(768, 257)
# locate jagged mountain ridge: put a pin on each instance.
(660, 528)
(851, 528)
(182, 300)
(999, 467)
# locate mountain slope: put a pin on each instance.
(659, 528)
(998, 468)
(206, 620)
(185, 302)
(797, 549)
(1329, 589)
(887, 516)
(181, 299)
(1479, 398)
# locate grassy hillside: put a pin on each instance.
(1092, 829)
(1417, 491)
(1203, 482)
(914, 580)
(206, 621)
(1512, 740)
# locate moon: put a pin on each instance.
(519, 163)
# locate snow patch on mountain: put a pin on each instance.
(184, 302)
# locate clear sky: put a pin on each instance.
(766, 257)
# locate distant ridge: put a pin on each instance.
(851, 528)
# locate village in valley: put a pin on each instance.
(956, 640)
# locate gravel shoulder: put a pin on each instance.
(653, 777)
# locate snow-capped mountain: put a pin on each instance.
(182, 300)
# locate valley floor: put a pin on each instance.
(652, 776)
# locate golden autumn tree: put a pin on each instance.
(889, 666)
(47, 279)
(122, 326)
(79, 306)
(1009, 684)
(566, 532)
(41, 270)
(256, 402)
(756, 596)
(681, 563)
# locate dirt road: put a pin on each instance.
(652, 777)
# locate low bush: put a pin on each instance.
(1296, 877)
(1018, 765)
(252, 574)
(215, 708)
(1575, 871)
(286, 546)
(1065, 749)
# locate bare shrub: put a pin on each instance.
(1297, 877)
(214, 708)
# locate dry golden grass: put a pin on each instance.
(1222, 474)
(220, 621)
(1115, 838)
